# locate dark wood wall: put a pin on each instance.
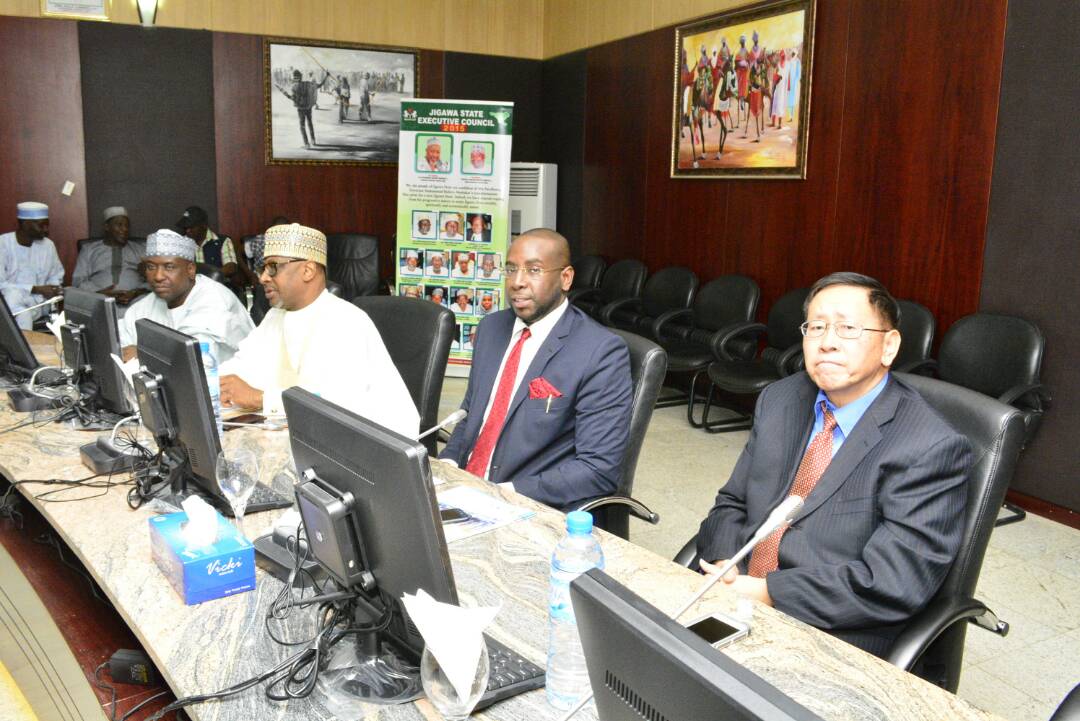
(902, 124)
(41, 128)
(334, 199)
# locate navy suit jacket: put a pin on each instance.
(879, 532)
(573, 450)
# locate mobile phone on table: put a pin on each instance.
(719, 630)
(449, 514)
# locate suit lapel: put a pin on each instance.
(490, 370)
(552, 345)
(798, 415)
(864, 436)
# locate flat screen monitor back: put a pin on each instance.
(176, 358)
(96, 314)
(396, 513)
(642, 664)
(15, 353)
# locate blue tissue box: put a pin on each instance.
(200, 574)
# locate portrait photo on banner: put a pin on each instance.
(741, 104)
(335, 103)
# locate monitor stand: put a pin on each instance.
(24, 400)
(102, 456)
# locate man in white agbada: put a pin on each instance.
(314, 340)
(30, 269)
(184, 301)
(112, 265)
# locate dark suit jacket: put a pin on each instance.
(881, 528)
(573, 450)
(485, 237)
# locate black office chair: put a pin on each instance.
(781, 357)
(352, 261)
(210, 271)
(667, 291)
(999, 356)
(932, 643)
(624, 279)
(721, 307)
(335, 289)
(417, 335)
(588, 270)
(917, 325)
(1069, 710)
(648, 363)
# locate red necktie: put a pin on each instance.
(765, 557)
(489, 434)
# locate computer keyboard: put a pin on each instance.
(510, 675)
(263, 498)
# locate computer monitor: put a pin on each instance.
(642, 664)
(369, 510)
(175, 406)
(17, 360)
(90, 340)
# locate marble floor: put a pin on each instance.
(1031, 575)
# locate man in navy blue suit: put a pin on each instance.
(549, 392)
(882, 474)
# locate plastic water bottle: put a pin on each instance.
(213, 383)
(576, 553)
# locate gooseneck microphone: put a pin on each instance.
(455, 417)
(782, 514)
(51, 301)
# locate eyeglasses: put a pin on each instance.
(271, 269)
(847, 331)
(532, 271)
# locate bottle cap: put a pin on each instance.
(204, 347)
(579, 522)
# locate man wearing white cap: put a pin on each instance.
(314, 340)
(432, 161)
(30, 269)
(412, 263)
(111, 265)
(184, 301)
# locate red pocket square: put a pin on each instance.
(540, 388)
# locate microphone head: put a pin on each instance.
(784, 513)
(456, 417)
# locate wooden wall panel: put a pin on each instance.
(41, 128)
(331, 198)
(901, 149)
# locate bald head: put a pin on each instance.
(555, 244)
(538, 273)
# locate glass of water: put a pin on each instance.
(237, 473)
(441, 692)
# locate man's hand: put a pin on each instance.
(129, 352)
(748, 586)
(48, 291)
(235, 393)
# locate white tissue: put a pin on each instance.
(453, 635)
(201, 529)
(128, 369)
(53, 324)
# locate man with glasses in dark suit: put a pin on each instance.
(882, 474)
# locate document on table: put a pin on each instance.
(484, 512)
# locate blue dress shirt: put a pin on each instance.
(846, 417)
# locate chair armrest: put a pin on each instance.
(719, 340)
(604, 315)
(1038, 393)
(685, 557)
(925, 626)
(636, 507)
(666, 318)
(581, 293)
(790, 360)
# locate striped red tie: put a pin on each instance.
(489, 434)
(765, 557)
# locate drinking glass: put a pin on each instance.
(237, 473)
(441, 692)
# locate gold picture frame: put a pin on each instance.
(743, 111)
(99, 10)
(355, 91)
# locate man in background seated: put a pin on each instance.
(185, 301)
(314, 340)
(210, 247)
(549, 391)
(112, 265)
(30, 269)
(884, 478)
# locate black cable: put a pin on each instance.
(106, 687)
(131, 711)
(50, 540)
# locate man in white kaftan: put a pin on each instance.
(184, 301)
(30, 269)
(314, 340)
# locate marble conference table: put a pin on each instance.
(216, 644)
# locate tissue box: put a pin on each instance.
(200, 574)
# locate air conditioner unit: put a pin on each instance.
(532, 196)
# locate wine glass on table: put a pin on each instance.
(237, 473)
(441, 692)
